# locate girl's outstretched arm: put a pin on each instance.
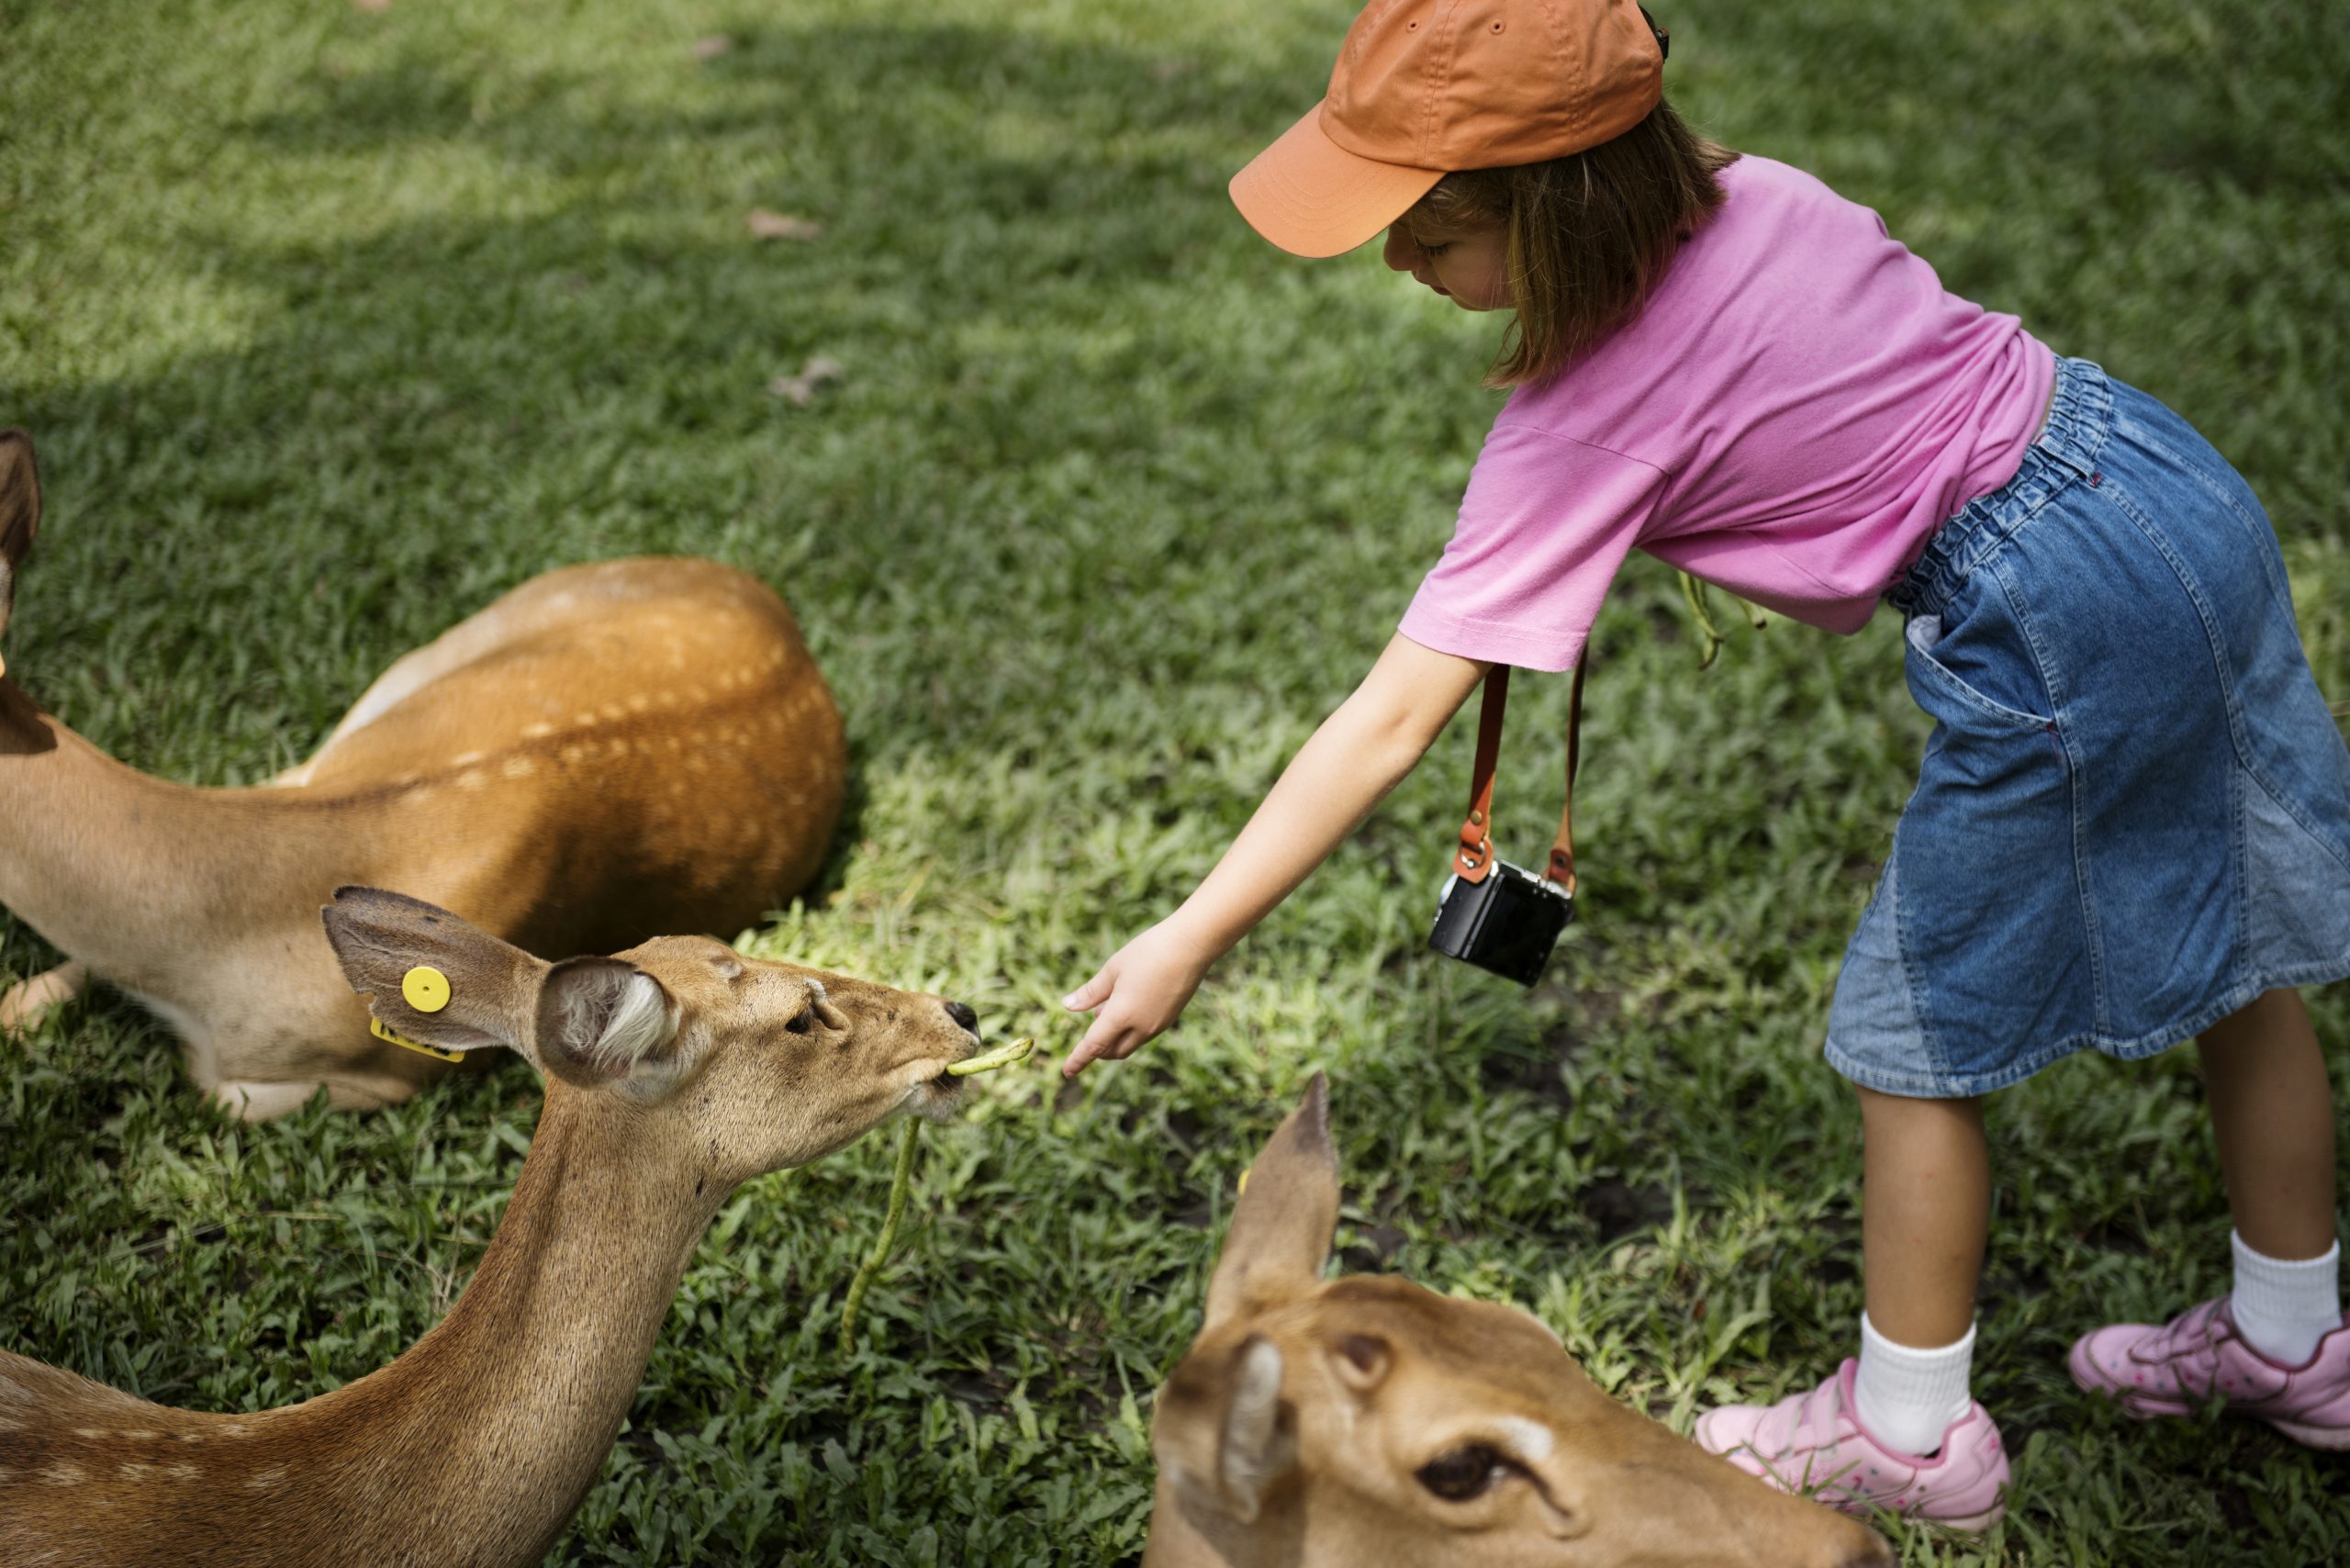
(1360, 752)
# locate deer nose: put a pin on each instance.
(962, 1015)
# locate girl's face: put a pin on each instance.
(1468, 266)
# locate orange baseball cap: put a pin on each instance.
(1423, 87)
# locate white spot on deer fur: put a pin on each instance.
(1529, 1440)
(183, 1471)
(63, 1474)
(468, 760)
(472, 778)
(135, 1471)
(91, 1433)
(233, 1429)
(539, 730)
(142, 1436)
(262, 1480)
(519, 766)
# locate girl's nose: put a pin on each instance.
(1400, 253)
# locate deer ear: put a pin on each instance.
(390, 946)
(1257, 1447)
(20, 512)
(1288, 1212)
(605, 1021)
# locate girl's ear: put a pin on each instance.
(1287, 1213)
(429, 976)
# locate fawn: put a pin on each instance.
(608, 752)
(1365, 1422)
(675, 1072)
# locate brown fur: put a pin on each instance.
(1295, 1432)
(20, 512)
(476, 1447)
(606, 752)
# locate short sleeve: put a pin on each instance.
(1545, 524)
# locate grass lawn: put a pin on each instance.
(332, 324)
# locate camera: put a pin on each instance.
(1508, 922)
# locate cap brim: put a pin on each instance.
(1313, 197)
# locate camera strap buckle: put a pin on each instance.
(1473, 861)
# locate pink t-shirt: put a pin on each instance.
(1797, 407)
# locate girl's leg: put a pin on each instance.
(1925, 1212)
(1863, 1440)
(2273, 1112)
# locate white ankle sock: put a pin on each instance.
(1909, 1397)
(2282, 1307)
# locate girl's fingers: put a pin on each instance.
(1087, 997)
(1110, 1039)
(1088, 1050)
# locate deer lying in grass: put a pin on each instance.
(674, 1073)
(1365, 1422)
(608, 752)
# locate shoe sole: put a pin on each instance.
(2140, 1408)
(1862, 1509)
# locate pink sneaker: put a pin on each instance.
(1813, 1444)
(2197, 1357)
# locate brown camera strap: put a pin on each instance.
(1473, 860)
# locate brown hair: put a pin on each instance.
(1589, 234)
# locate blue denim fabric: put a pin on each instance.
(2133, 814)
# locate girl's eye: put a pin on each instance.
(1428, 249)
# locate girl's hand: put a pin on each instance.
(1356, 757)
(1138, 994)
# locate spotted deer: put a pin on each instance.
(1365, 1422)
(608, 752)
(674, 1072)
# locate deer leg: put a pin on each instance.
(26, 1003)
(266, 1100)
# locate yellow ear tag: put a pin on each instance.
(425, 989)
(1243, 1185)
(376, 1028)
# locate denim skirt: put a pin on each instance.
(2133, 814)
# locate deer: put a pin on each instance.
(608, 752)
(674, 1071)
(1367, 1422)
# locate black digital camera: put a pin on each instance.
(1507, 922)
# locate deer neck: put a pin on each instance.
(124, 872)
(478, 1445)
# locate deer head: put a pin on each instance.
(1365, 1422)
(20, 513)
(743, 1067)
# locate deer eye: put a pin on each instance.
(805, 1021)
(1463, 1473)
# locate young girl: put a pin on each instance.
(2132, 820)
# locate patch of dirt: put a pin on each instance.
(1619, 1208)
